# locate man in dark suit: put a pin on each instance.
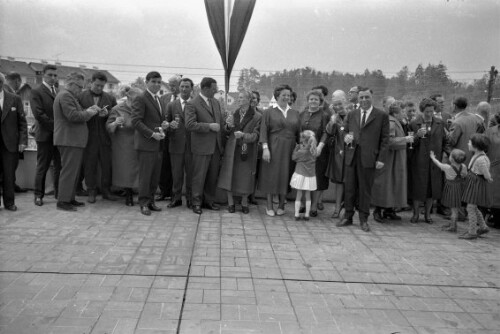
(98, 149)
(204, 120)
(166, 180)
(367, 145)
(42, 106)
(70, 137)
(148, 115)
(13, 140)
(180, 145)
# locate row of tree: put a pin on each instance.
(405, 85)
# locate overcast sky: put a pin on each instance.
(172, 36)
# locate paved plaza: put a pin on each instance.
(109, 269)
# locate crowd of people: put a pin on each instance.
(403, 156)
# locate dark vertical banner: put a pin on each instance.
(235, 15)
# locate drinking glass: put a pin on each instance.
(351, 133)
(411, 133)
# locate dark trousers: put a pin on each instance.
(181, 166)
(8, 164)
(358, 182)
(149, 174)
(166, 181)
(96, 153)
(71, 160)
(46, 152)
(205, 173)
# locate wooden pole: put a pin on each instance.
(491, 82)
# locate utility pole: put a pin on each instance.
(491, 82)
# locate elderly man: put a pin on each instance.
(13, 140)
(353, 96)
(98, 149)
(387, 102)
(166, 181)
(483, 111)
(42, 106)
(70, 137)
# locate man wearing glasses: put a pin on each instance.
(70, 137)
(42, 106)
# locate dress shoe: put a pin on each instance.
(65, 206)
(428, 220)
(377, 216)
(153, 207)
(391, 215)
(231, 209)
(414, 219)
(211, 206)
(38, 201)
(365, 227)
(245, 209)
(145, 210)
(313, 213)
(321, 206)
(298, 218)
(174, 204)
(76, 203)
(197, 209)
(162, 197)
(280, 212)
(92, 195)
(481, 231)
(270, 213)
(344, 222)
(467, 236)
(129, 200)
(305, 218)
(12, 207)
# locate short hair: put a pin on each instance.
(461, 102)
(293, 96)
(496, 119)
(435, 96)
(458, 155)
(484, 109)
(125, 90)
(176, 78)
(364, 89)
(99, 76)
(355, 89)
(278, 89)
(394, 109)
(74, 77)
(256, 93)
(316, 93)
(187, 80)
(247, 93)
(323, 88)
(13, 76)
(153, 75)
(339, 95)
(426, 102)
(207, 82)
(409, 104)
(480, 142)
(49, 67)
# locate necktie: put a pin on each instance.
(363, 119)
(183, 104)
(53, 90)
(158, 101)
(242, 115)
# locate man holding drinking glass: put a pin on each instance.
(369, 141)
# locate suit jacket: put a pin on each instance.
(180, 138)
(372, 139)
(198, 117)
(97, 124)
(146, 117)
(14, 126)
(70, 121)
(461, 129)
(42, 106)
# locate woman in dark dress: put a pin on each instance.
(279, 132)
(239, 163)
(335, 131)
(427, 178)
(315, 119)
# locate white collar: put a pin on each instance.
(153, 95)
(283, 111)
(368, 111)
(205, 99)
(49, 87)
(2, 95)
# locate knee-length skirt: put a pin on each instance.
(475, 190)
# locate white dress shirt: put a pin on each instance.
(284, 112)
(2, 96)
(368, 112)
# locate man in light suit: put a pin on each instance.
(98, 149)
(148, 115)
(179, 141)
(204, 120)
(366, 148)
(463, 126)
(70, 137)
(42, 106)
(13, 140)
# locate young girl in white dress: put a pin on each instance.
(304, 177)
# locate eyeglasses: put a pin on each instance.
(51, 75)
